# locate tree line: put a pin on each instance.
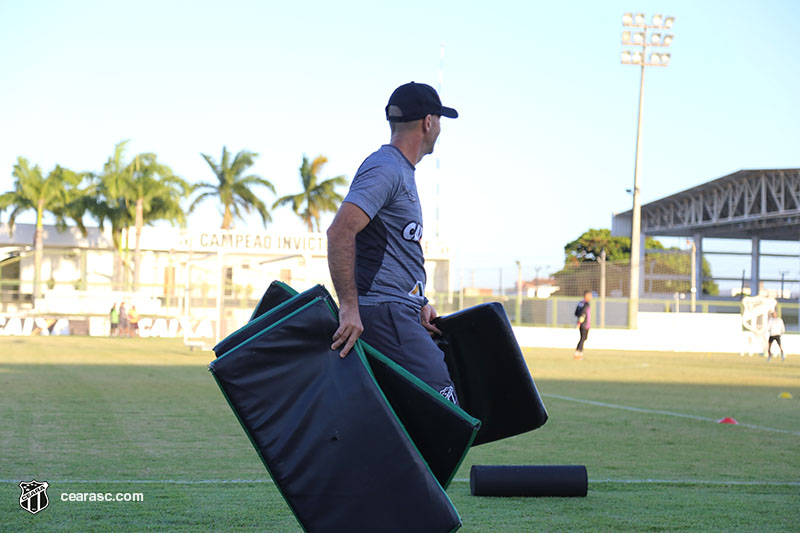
(132, 193)
(582, 255)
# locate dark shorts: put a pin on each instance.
(394, 330)
(776, 338)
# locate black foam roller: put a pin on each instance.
(528, 480)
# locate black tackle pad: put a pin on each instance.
(277, 293)
(282, 302)
(324, 430)
(441, 431)
(489, 373)
(256, 359)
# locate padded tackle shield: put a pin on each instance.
(277, 293)
(342, 438)
(282, 303)
(528, 480)
(441, 431)
(491, 378)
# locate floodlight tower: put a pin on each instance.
(649, 35)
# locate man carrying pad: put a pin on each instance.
(374, 252)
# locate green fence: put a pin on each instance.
(558, 311)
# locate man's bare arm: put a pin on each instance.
(342, 263)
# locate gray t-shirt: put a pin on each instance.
(390, 266)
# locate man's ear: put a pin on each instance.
(427, 123)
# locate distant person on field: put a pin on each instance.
(584, 314)
(133, 320)
(123, 320)
(776, 328)
(114, 317)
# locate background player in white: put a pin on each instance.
(776, 328)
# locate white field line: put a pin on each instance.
(697, 482)
(153, 481)
(665, 413)
(456, 480)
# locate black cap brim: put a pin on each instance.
(449, 112)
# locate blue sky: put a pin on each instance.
(544, 147)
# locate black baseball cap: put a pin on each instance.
(414, 101)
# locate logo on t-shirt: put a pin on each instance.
(412, 232)
(418, 290)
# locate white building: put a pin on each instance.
(182, 273)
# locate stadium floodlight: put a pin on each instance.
(648, 36)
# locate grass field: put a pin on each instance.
(145, 416)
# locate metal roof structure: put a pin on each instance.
(759, 204)
(763, 203)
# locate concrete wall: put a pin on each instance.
(678, 332)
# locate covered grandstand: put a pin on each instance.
(755, 205)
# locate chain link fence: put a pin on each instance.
(542, 298)
(550, 300)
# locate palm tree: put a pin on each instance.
(56, 193)
(233, 189)
(111, 203)
(157, 194)
(134, 194)
(317, 197)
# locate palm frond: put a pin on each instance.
(284, 200)
(241, 162)
(12, 218)
(317, 164)
(199, 199)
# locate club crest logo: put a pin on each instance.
(34, 495)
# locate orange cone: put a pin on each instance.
(727, 420)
